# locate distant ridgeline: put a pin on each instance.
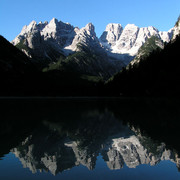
(56, 59)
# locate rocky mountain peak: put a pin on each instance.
(152, 28)
(131, 27)
(116, 42)
(113, 27)
(53, 21)
(30, 28)
(90, 27)
(85, 36)
(52, 25)
(112, 33)
(121, 42)
(33, 24)
(127, 39)
(51, 28)
(130, 31)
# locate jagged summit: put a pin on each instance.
(85, 36)
(63, 35)
(112, 33)
(128, 40)
(117, 42)
(90, 27)
(54, 20)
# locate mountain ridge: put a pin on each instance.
(89, 63)
(117, 42)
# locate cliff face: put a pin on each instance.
(47, 41)
(63, 38)
(130, 39)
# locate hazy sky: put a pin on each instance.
(14, 14)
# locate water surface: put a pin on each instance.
(89, 139)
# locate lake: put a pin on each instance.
(89, 138)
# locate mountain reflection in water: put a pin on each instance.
(74, 136)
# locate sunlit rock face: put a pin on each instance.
(49, 40)
(85, 36)
(57, 31)
(111, 34)
(128, 40)
(62, 37)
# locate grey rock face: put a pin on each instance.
(58, 32)
(111, 34)
(87, 37)
(128, 40)
(121, 44)
(46, 42)
(62, 36)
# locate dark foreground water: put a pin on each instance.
(89, 139)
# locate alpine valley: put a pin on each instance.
(58, 59)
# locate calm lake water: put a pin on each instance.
(90, 139)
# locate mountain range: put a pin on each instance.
(59, 59)
(154, 71)
(50, 40)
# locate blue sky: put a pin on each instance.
(14, 14)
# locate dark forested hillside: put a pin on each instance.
(21, 76)
(85, 61)
(12, 60)
(157, 74)
(145, 50)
